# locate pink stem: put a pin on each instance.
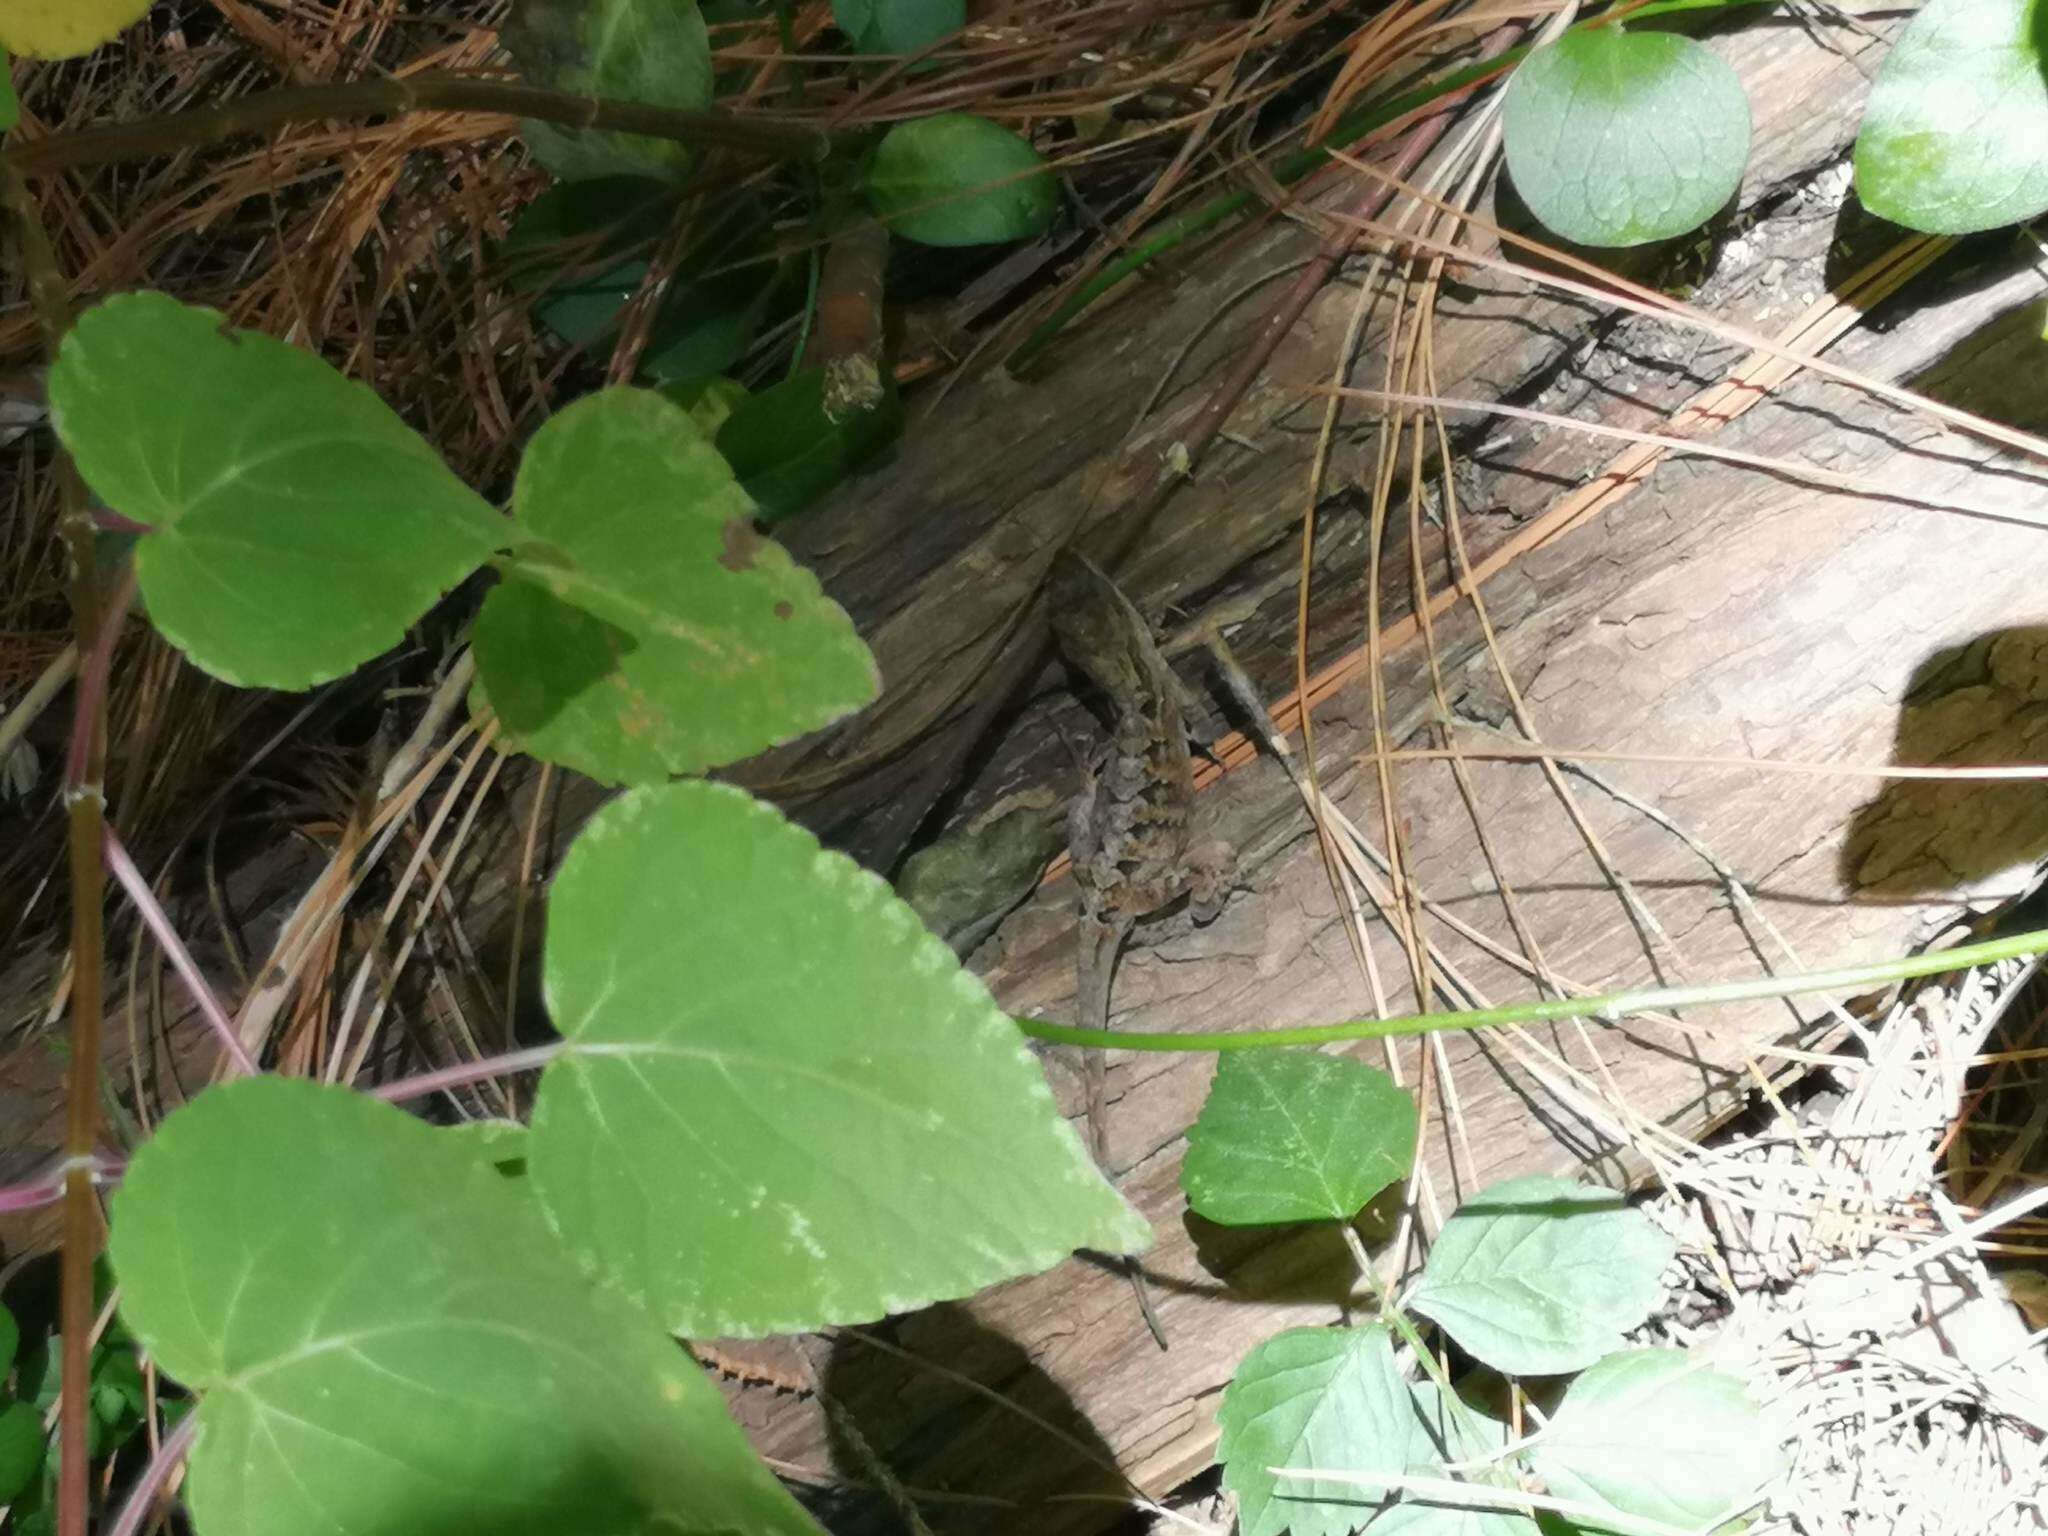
(469, 1072)
(159, 923)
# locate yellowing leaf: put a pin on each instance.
(63, 29)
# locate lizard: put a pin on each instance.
(1128, 831)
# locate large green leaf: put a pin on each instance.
(299, 526)
(1955, 138)
(1617, 138)
(1660, 1434)
(649, 630)
(956, 179)
(788, 450)
(655, 52)
(1539, 1275)
(1296, 1136)
(388, 1339)
(1327, 1398)
(897, 26)
(783, 1103)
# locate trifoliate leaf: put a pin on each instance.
(1538, 1275)
(648, 630)
(1327, 1398)
(388, 1340)
(64, 29)
(956, 179)
(1296, 1136)
(1955, 138)
(1618, 138)
(299, 527)
(655, 52)
(897, 26)
(1660, 1434)
(783, 1103)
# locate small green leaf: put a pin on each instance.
(299, 527)
(1537, 1276)
(1955, 138)
(1618, 138)
(21, 1449)
(956, 179)
(1296, 1136)
(1659, 1434)
(1327, 1398)
(650, 631)
(10, 1340)
(577, 248)
(656, 52)
(787, 1105)
(788, 450)
(388, 1340)
(897, 26)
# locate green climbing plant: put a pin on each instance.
(1325, 1431)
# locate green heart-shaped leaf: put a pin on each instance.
(956, 179)
(299, 527)
(648, 630)
(1538, 1275)
(1618, 138)
(1611, 1444)
(1955, 138)
(783, 1103)
(389, 1341)
(897, 26)
(1296, 1136)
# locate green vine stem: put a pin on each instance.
(148, 137)
(1606, 1005)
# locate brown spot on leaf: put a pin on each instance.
(785, 609)
(742, 545)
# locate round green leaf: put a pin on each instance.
(21, 1449)
(64, 29)
(897, 26)
(388, 1341)
(299, 526)
(783, 1103)
(576, 248)
(1537, 1276)
(649, 630)
(1296, 1136)
(1659, 1434)
(1955, 138)
(656, 52)
(788, 450)
(1618, 138)
(1327, 1398)
(956, 179)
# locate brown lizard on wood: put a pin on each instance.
(1128, 829)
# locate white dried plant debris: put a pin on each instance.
(1909, 1386)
